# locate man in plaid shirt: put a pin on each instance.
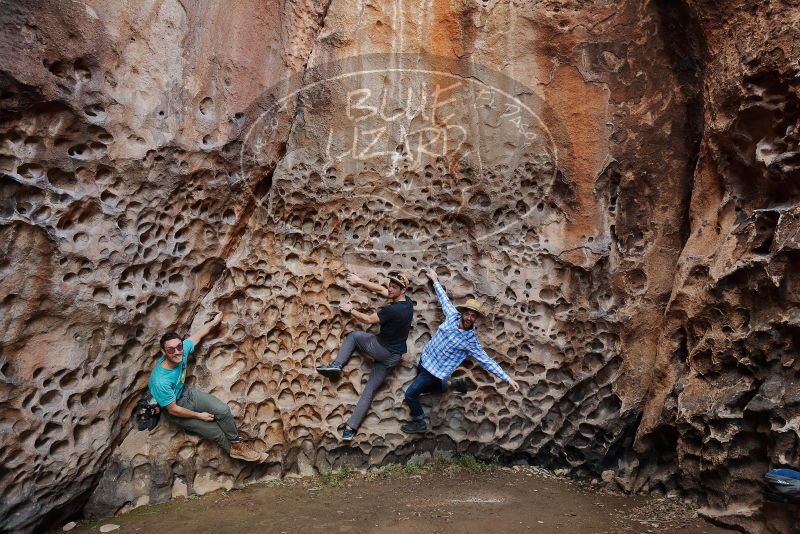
(453, 342)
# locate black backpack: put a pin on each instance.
(147, 411)
(782, 485)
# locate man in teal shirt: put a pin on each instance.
(193, 410)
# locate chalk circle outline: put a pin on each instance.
(547, 119)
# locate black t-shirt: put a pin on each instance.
(395, 321)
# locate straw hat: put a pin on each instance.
(473, 305)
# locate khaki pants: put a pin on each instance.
(222, 429)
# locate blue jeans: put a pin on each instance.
(424, 382)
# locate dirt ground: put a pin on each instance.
(501, 500)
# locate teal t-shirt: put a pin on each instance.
(166, 385)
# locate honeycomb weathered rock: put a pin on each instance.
(615, 180)
(724, 406)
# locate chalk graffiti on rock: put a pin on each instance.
(388, 134)
(373, 130)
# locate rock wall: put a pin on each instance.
(118, 211)
(723, 406)
(615, 181)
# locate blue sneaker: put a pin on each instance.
(348, 434)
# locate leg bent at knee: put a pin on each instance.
(222, 411)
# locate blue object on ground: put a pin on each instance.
(788, 473)
(782, 485)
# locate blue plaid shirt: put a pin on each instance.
(451, 345)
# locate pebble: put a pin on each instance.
(109, 527)
(69, 526)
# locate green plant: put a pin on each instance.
(384, 471)
(335, 478)
(412, 468)
(471, 463)
(440, 463)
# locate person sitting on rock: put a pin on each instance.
(385, 349)
(191, 409)
(454, 340)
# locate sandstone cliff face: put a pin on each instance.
(616, 181)
(723, 406)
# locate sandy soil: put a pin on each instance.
(503, 500)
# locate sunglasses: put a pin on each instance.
(175, 349)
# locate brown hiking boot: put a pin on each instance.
(243, 451)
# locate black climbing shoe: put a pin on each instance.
(331, 371)
(348, 434)
(459, 384)
(415, 427)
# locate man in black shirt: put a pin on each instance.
(385, 349)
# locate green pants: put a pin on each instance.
(222, 429)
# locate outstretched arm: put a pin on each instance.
(366, 318)
(357, 281)
(488, 363)
(447, 306)
(204, 330)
